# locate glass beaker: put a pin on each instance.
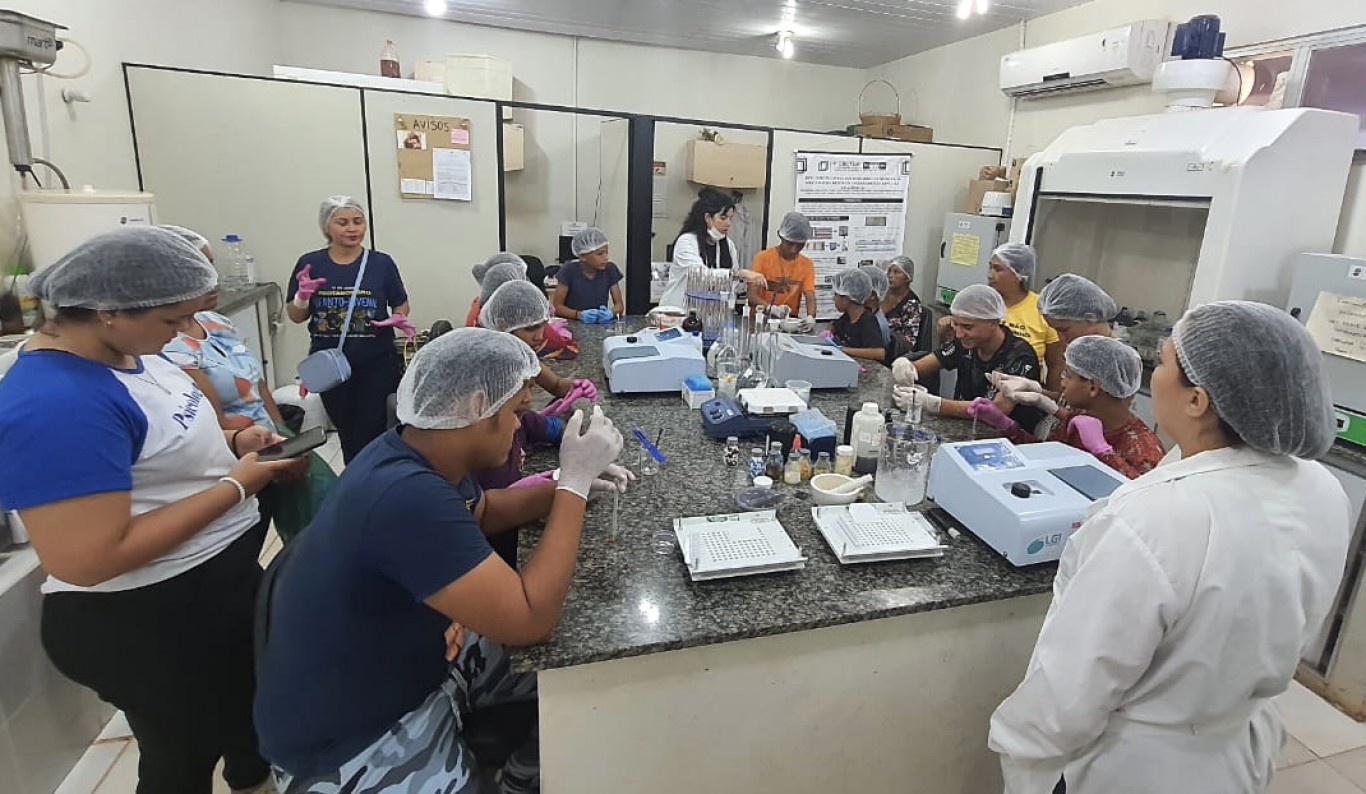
(903, 468)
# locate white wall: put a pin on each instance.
(958, 88)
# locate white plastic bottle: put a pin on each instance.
(238, 269)
(866, 437)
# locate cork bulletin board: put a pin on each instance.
(434, 160)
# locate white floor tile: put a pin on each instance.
(1320, 727)
(117, 728)
(1294, 753)
(1351, 766)
(92, 767)
(123, 776)
(1313, 778)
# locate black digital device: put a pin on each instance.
(293, 447)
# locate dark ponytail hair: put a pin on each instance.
(709, 202)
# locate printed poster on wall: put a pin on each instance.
(434, 159)
(857, 207)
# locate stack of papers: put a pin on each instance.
(876, 532)
(717, 547)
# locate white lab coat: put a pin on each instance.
(687, 258)
(1179, 610)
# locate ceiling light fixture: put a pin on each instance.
(785, 45)
(983, 6)
(435, 8)
(964, 9)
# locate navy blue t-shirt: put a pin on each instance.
(352, 645)
(381, 291)
(588, 293)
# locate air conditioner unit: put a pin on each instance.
(1119, 57)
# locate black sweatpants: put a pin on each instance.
(176, 657)
(358, 407)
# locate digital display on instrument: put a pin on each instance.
(669, 335)
(990, 456)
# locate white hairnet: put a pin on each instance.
(795, 228)
(497, 276)
(480, 270)
(463, 377)
(1071, 297)
(853, 284)
(878, 277)
(331, 206)
(588, 241)
(1019, 258)
(905, 264)
(513, 306)
(1112, 364)
(1263, 372)
(133, 267)
(189, 235)
(979, 302)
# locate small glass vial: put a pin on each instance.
(756, 463)
(732, 452)
(792, 472)
(807, 468)
(823, 465)
(773, 467)
(844, 460)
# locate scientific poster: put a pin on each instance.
(857, 207)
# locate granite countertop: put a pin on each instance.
(628, 601)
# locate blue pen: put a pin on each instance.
(650, 448)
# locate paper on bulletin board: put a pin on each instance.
(965, 250)
(660, 190)
(857, 207)
(1338, 324)
(434, 160)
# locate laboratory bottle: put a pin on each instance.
(732, 453)
(388, 60)
(806, 464)
(844, 460)
(773, 466)
(823, 465)
(866, 437)
(756, 463)
(792, 472)
(238, 267)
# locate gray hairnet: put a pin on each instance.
(903, 263)
(189, 235)
(504, 258)
(795, 228)
(878, 277)
(133, 267)
(463, 377)
(853, 284)
(1019, 258)
(588, 241)
(497, 276)
(1263, 372)
(513, 306)
(979, 302)
(1071, 297)
(1112, 364)
(331, 206)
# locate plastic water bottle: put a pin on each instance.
(238, 268)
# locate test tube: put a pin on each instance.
(616, 518)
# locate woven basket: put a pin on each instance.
(883, 119)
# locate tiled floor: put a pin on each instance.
(1325, 754)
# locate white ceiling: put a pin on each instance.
(856, 33)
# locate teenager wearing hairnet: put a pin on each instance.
(356, 682)
(1100, 377)
(981, 346)
(790, 277)
(1075, 306)
(906, 315)
(319, 294)
(552, 343)
(520, 308)
(481, 271)
(856, 330)
(1184, 603)
(141, 508)
(589, 283)
(1012, 271)
(878, 278)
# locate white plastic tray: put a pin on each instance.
(740, 544)
(771, 402)
(877, 532)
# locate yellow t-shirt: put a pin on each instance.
(1028, 323)
(790, 280)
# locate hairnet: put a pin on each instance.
(133, 267)
(331, 206)
(795, 228)
(853, 284)
(482, 269)
(979, 302)
(878, 277)
(497, 276)
(588, 241)
(189, 235)
(463, 377)
(1263, 372)
(1071, 297)
(905, 264)
(513, 306)
(1019, 258)
(1109, 362)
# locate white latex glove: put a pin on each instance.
(904, 372)
(584, 457)
(903, 396)
(613, 479)
(1011, 385)
(1036, 400)
(807, 324)
(779, 312)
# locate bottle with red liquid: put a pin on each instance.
(388, 60)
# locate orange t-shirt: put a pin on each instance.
(789, 280)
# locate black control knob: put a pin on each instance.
(1021, 490)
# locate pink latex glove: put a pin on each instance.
(307, 286)
(544, 478)
(560, 328)
(1091, 433)
(303, 390)
(585, 389)
(827, 334)
(985, 410)
(399, 322)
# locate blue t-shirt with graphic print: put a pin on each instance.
(381, 291)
